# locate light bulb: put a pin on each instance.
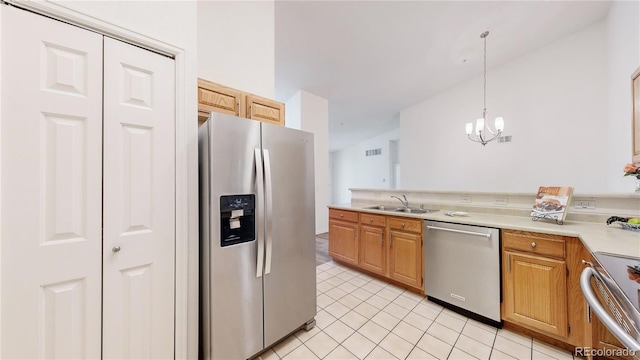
(479, 126)
(499, 124)
(469, 128)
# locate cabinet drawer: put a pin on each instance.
(405, 224)
(542, 244)
(343, 215)
(374, 220)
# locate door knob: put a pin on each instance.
(115, 248)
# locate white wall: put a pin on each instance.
(554, 102)
(623, 49)
(236, 45)
(308, 112)
(352, 169)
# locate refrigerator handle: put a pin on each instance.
(260, 188)
(269, 211)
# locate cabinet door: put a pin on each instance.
(535, 292)
(265, 110)
(218, 98)
(139, 203)
(51, 188)
(372, 249)
(343, 241)
(405, 250)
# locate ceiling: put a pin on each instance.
(371, 59)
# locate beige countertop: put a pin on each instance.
(597, 237)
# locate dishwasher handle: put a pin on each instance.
(459, 231)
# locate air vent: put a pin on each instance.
(373, 152)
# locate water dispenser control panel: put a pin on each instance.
(237, 219)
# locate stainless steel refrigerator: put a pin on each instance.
(257, 235)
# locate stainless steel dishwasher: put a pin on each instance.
(462, 269)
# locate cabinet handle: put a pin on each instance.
(508, 263)
(370, 220)
(403, 225)
(533, 244)
(115, 248)
(341, 215)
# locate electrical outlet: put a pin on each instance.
(500, 200)
(465, 199)
(584, 204)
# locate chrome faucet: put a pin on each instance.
(405, 202)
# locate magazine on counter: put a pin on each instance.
(552, 203)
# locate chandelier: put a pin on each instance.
(483, 133)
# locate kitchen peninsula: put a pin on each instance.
(539, 248)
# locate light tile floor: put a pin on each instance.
(360, 317)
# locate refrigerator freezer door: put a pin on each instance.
(289, 286)
(232, 293)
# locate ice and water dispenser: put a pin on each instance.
(237, 219)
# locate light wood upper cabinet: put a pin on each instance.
(265, 110)
(226, 100)
(218, 98)
(635, 90)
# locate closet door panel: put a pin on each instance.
(50, 188)
(139, 203)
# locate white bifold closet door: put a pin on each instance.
(139, 195)
(64, 292)
(50, 188)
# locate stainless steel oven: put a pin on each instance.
(617, 280)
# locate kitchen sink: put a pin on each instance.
(416, 210)
(401, 209)
(384, 207)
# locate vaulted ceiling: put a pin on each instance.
(371, 59)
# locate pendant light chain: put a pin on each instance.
(484, 112)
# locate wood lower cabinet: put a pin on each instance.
(405, 251)
(343, 236)
(388, 246)
(535, 292)
(222, 99)
(373, 247)
(535, 281)
(541, 286)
